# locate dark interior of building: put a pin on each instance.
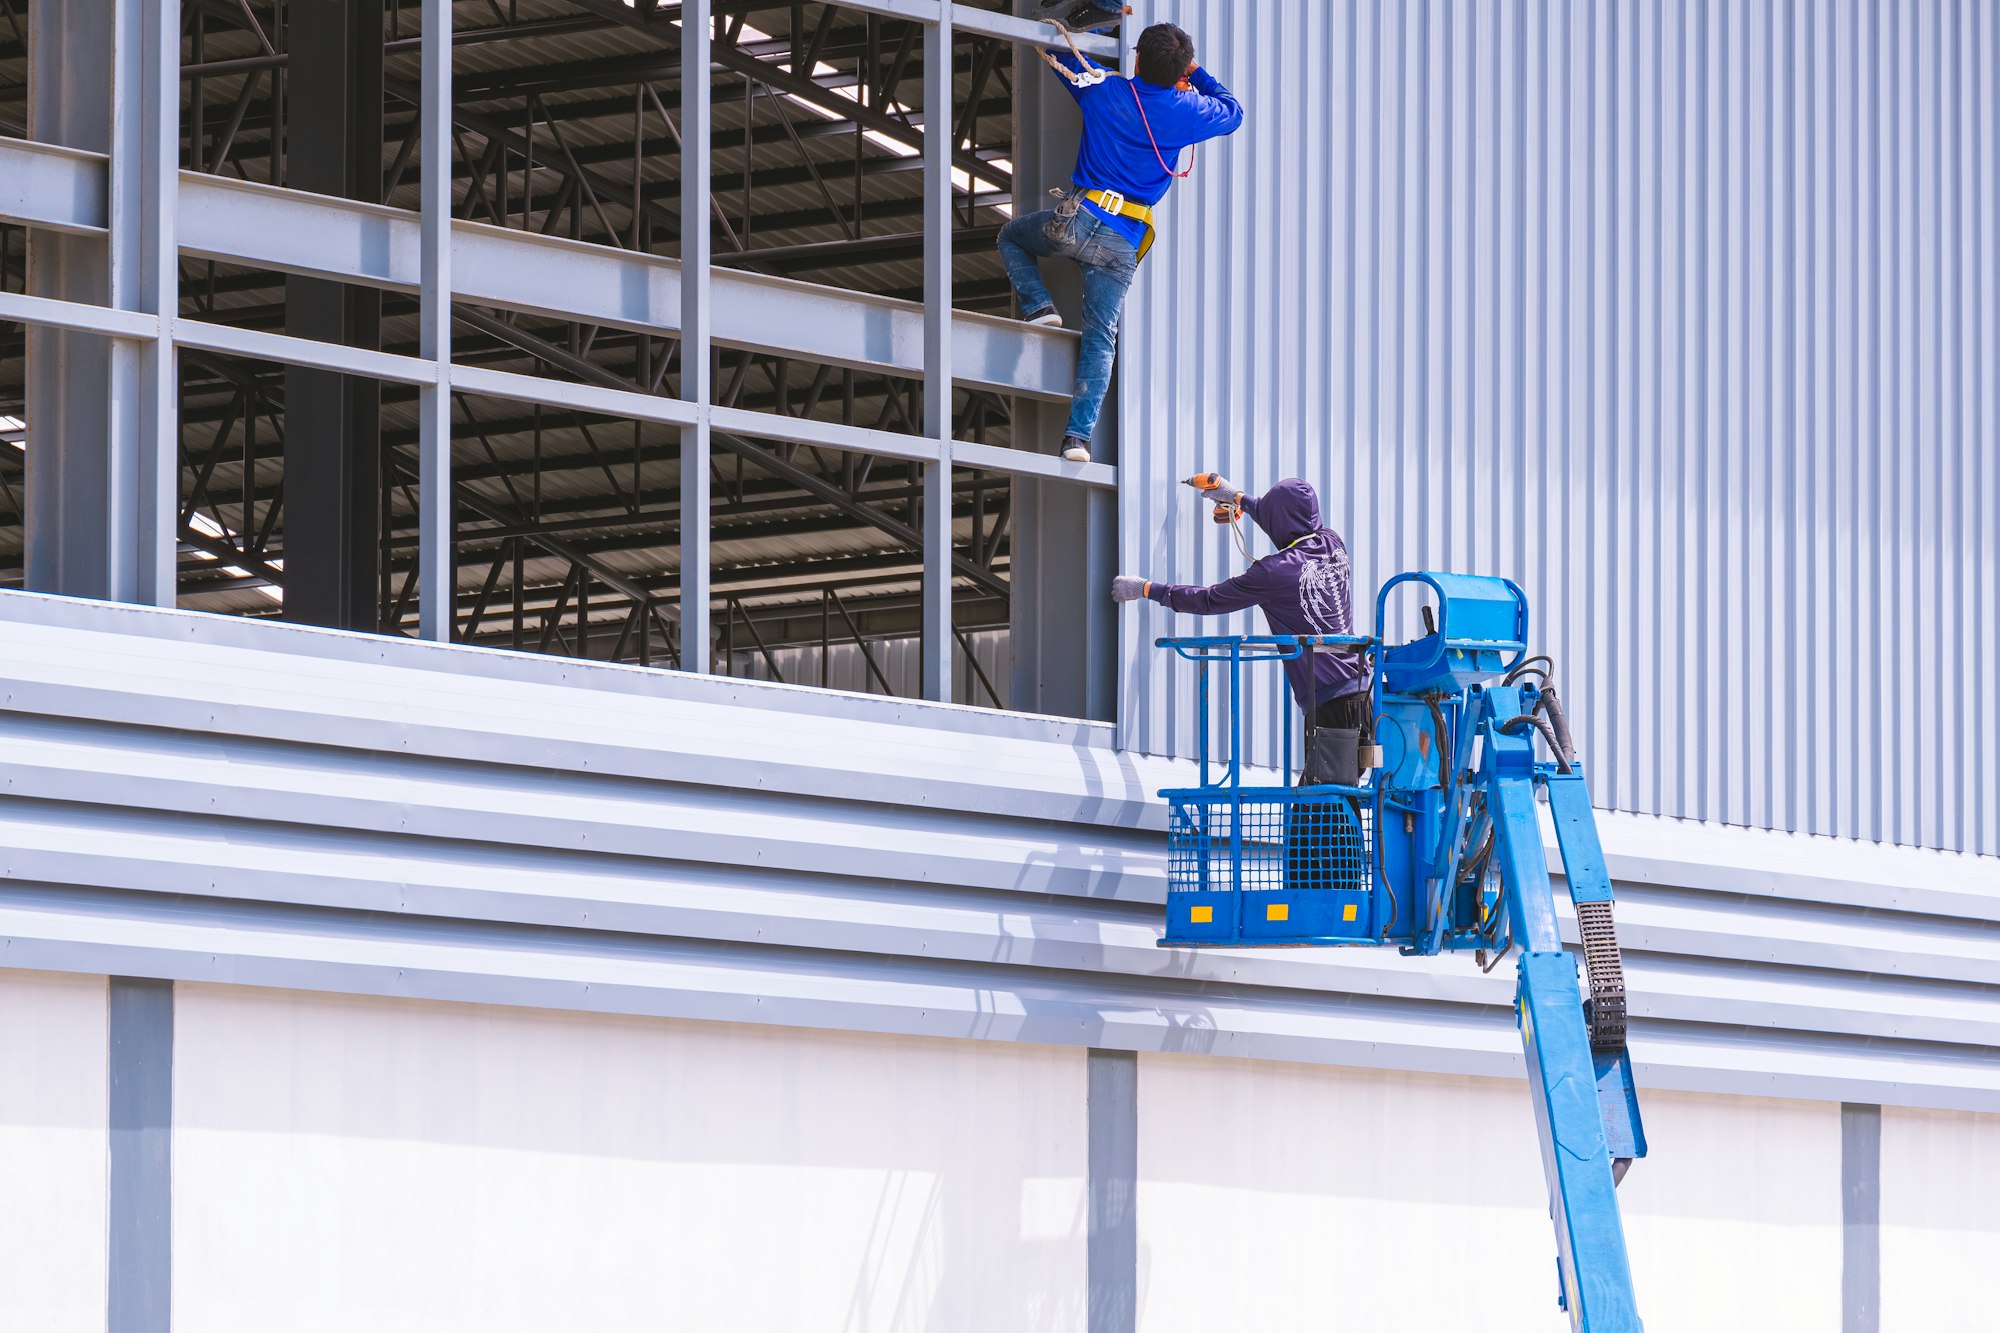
(297, 484)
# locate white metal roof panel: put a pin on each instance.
(198, 797)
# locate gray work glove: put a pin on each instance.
(1215, 486)
(1126, 588)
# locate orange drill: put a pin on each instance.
(1226, 511)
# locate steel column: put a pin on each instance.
(937, 638)
(1064, 626)
(81, 473)
(435, 609)
(1112, 1239)
(333, 425)
(144, 183)
(1861, 1218)
(139, 1239)
(697, 349)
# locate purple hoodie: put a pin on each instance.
(1302, 588)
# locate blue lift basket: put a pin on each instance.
(1264, 865)
(1437, 848)
(1291, 864)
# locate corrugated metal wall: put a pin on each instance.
(1681, 314)
(212, 799)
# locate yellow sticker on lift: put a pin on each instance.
(1278, 912)
(1201, 916)
(1347, 912)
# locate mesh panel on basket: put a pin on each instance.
(1186, 825)
(1327, 839)
(1287, 842)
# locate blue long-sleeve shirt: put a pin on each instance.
(1116, 153)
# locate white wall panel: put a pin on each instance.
(1940, 1220)
(1305, 1197)
(53, 1126)
(1734, 1219)
(348, 1163)
(1287, 1196)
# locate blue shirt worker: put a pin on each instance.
(1133, 130)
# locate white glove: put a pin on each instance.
(1126, 588)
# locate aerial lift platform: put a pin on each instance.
(1438, 848)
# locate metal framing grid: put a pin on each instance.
(541, 265)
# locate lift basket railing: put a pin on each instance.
(1265, 863)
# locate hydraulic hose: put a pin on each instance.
(1381, 871)
(1473, 867)
(1540, 724)
(1442, 735)
(1549, 704)
(1527, 664)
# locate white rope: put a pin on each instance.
(1089, 76)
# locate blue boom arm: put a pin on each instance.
(1439, 848)
(1586, 1108)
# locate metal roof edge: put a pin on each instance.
(238, 944)
(352, 646)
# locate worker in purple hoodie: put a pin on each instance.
(1302, 587)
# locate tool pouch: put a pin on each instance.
(1333, 755)
(1068, 204)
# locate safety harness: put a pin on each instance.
(1111, 201)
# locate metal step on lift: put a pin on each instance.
(1437, 848)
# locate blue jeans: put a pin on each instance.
(1108, 262)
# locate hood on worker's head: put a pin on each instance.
(1286, 512)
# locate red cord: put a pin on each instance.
(1177, 175)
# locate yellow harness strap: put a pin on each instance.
(1089, 74)
(1113, 202)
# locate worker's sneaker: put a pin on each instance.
(1076, 449)
(1047, 319)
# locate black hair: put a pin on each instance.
(1165, 52)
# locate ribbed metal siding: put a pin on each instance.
(212, 799)
(1683, 315)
